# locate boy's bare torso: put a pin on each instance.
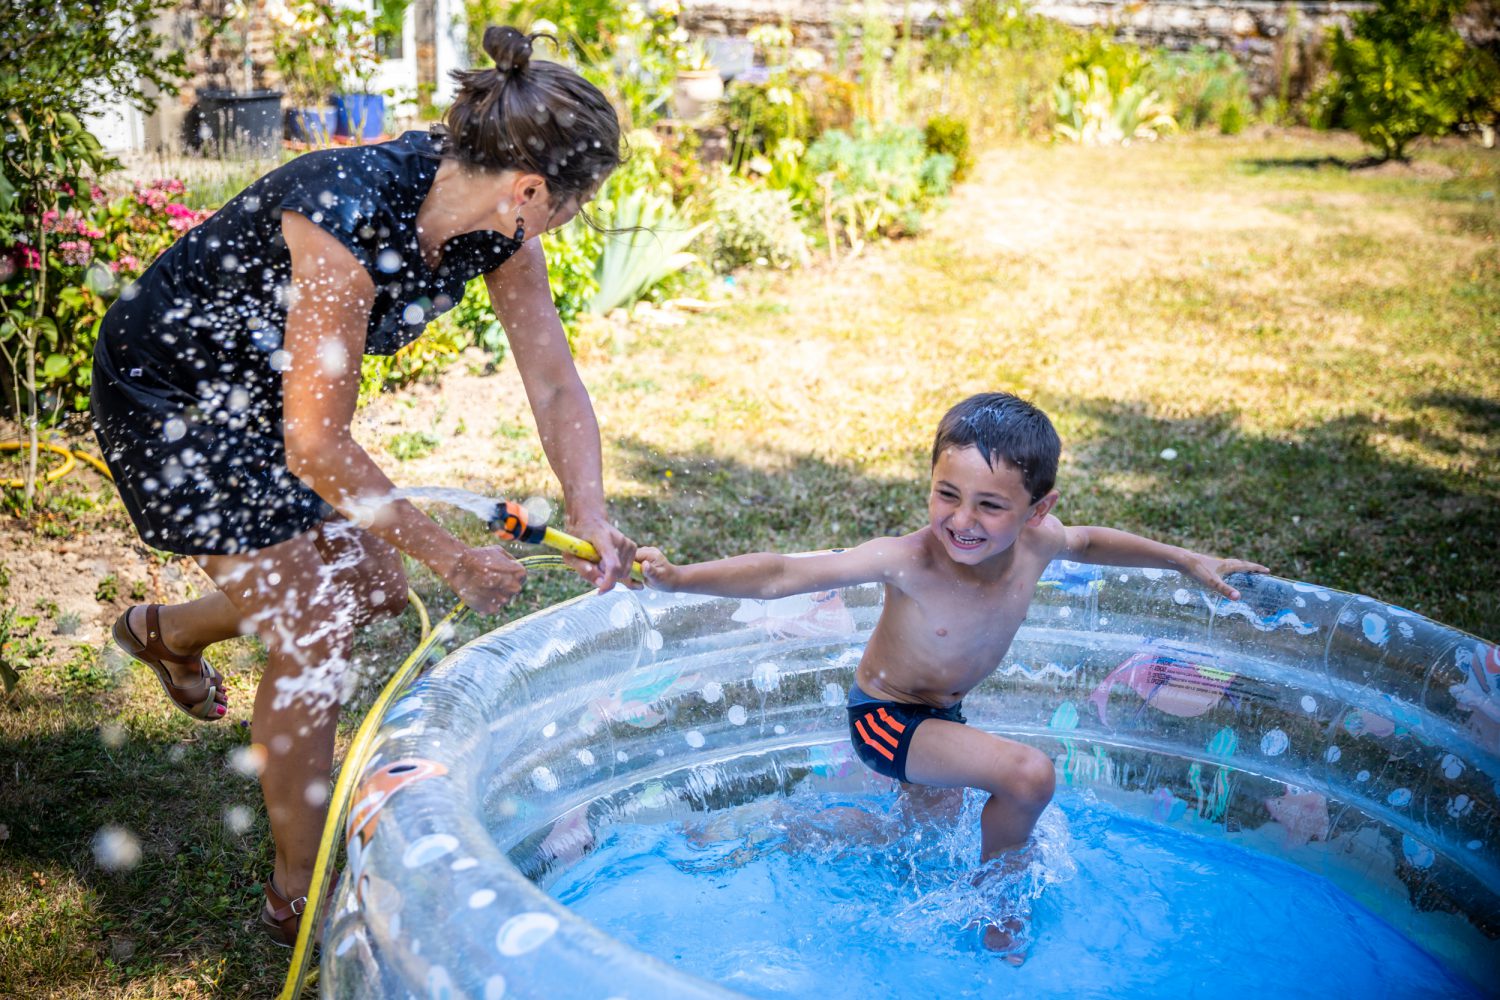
(945, 627)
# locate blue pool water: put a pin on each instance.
(824, 896)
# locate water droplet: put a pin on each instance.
(116, 849)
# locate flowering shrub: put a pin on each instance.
(755, 225)
(96, 253)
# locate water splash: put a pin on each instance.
(481, 507)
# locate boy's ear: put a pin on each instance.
(1042, 508)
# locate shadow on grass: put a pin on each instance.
(715, 505)
(1333, 504)
(1301, 163)
(121, 862)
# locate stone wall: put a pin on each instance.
(1261, 33)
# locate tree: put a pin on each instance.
(57, 57)
(1406, 72)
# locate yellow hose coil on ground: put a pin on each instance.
(70, 459)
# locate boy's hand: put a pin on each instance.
(1211, 571)
(655, 567)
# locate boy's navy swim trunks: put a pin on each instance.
(881, 731)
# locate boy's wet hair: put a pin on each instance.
(1004, 427)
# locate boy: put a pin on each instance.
(956, 591)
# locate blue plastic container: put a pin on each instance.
(311, 125)
(360, 116)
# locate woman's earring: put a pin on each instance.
(520, 236)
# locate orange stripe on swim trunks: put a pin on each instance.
(858, 724)
(898, 727)
(870, 718)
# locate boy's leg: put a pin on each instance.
(1019, 778)
(1020, 781)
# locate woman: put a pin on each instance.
(225, 381)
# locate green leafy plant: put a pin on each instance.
(408, 445)
(1203, 89)
(996, 63)
(1405, 72)
(949, 135)
(1090, 111)
(85, 671)
(648, 243)
(68, 622)
(876, 181)
(19, 648)
(108, 589)
(307, 49)
(572, 256)
(426, 357)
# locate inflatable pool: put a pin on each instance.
(1353, 739)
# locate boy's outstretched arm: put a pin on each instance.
(1112, 547)
(768, 575)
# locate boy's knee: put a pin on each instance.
(1034, 779)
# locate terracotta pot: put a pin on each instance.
(695, 92)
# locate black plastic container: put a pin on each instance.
(234, 123)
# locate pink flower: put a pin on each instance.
(96, 192)
(76, 252)
(49, 220)
(179, 211)
(31, 258)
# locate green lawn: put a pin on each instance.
(1317, 346)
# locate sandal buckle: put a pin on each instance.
(298, 905)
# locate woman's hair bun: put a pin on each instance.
(510, 49)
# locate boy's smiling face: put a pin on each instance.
(977, 512)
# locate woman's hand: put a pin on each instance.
(486, 579)
(1211, 571)
(616, 553)
(655, 567)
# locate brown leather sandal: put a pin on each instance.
(152, 652)
(281, 918)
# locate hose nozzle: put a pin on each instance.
(510, 524)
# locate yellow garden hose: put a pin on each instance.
(354, 762)
(70, 459)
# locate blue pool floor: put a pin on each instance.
(836, 896)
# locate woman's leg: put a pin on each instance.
(304, 598)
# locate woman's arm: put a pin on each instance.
(768, 575)
(522, 300)
(325, 338)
